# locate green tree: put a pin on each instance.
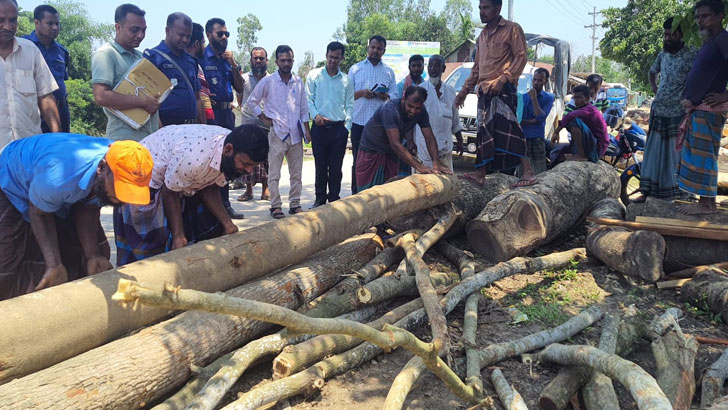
(633, 34)
(456, 12)
(306, 65)
(86, 117)
(612, 71)
(248, 28)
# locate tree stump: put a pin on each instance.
(708, 290)
(520, 220)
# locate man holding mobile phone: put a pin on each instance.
(374, 84)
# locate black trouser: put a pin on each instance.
(356, 131)
(226, 119)
(170, 120)
(329, 146)
(63, 113)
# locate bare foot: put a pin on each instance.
(473, 176)
(525, 181)
(697, 209)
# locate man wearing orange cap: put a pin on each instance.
(52, 188)
(191, 163)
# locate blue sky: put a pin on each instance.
(309, 25)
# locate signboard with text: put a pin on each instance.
(399, 52)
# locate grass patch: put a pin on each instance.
(547, 313)
(701, 309)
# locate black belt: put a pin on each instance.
(331, 124)
(222, 105)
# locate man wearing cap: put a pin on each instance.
(52, 188)
(191, 163)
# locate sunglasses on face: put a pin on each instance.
(220, 34)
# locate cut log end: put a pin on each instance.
(281, 368)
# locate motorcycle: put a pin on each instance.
(624, 146)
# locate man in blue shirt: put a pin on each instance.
(537, 105)
(183, 105)
(330, 104)
(416, 66)
(222, 74)
(47, 27)
(52, 188)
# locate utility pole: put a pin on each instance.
(510, 10)
(594, 26)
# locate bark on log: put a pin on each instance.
(558, 393)
(430, 299)
(296, 357)
(518, 221)
(643, 387)
(713, 381)
(637, 254)
(213, 265)
(500, 351)
(708, 291)
(470, 201)
(663, 323)
(218, 385)
(151, 363)
(598, 393)
(690, 272)
(675, 357)
(388, 287)
(404, 383)
(509, 397)
(682, 253)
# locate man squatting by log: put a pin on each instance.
(381, 147)
(498, 64)
(589, 135)
(706, 103)
(52, 188)
(191, 163)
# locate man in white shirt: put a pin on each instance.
(444, 116)
(26, 83)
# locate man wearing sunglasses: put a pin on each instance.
(223, 74)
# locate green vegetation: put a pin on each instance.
(701, 309)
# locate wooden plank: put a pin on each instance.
(680, 222)
(671, 284)
(682, 231)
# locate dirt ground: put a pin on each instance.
(547, 299)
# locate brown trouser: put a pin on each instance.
(21, 260)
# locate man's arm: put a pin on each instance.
(104, 96)
(200, 109)
(173, 211)
(238, 81)
(652, 77)
(210, 196)
(520, 56)
(87, 227)
(304, 118)
(432, 149)
(49, 110)
(44, 229)
(349, 104)
(395, 141)
(256, 97)
(310, 87)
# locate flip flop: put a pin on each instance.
(277, 213)
(524, 182)
(247, 196)
(295, 210)
(471, 179)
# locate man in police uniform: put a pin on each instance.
(183, 106)
(47, 28)
(222, 74)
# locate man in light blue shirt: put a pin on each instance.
(374, 84)
(537, 105)
(330, 104)
(416, 66)
(52, 188)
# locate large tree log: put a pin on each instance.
(708, 290)
(637, 254)
(675, 357)
(136, 370)
(518, 221)
(470, 201)
(683, 253)
(79, 315)
(643, 387)
(713, 381)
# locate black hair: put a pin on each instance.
(416, 57)
(667, 25)
(256, 49)
(249, 139)
(122, 11)
(283, 49)
(583, 90)
(197, 33)
(172, 18)
(414, 89)
(211, 22)
(379, 39)
(543, 71)
(594, 79)
(716, 6)
(335, 45)
(13, 2)
(496, 2)
(41, 10)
